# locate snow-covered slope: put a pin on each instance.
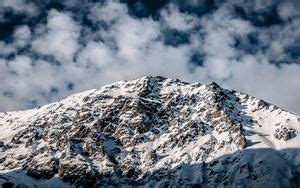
(151, 131)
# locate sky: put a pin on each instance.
(51, 49)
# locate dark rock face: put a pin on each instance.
(42, 170)
(79, 174)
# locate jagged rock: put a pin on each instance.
(2, 159)
(77, 173)
(43, 170)
(285, 133)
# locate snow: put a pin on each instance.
(27, 181)
(265, 121)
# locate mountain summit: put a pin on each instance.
(152, 131)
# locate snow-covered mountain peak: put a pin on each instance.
(151, 131)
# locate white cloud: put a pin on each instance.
(6, 49)
(288, 9)
(174, 19)
(130, 36)
(60, 38)
(95, 56)
(20, 6)
(133, 37)
(22, 36)
(110, 12)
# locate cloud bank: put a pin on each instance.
(50, 50)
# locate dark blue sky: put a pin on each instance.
(51, 49)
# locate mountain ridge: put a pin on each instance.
(149, 131)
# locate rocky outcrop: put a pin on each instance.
(285, 133)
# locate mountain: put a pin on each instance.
(151, 132)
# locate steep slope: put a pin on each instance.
(151, 131)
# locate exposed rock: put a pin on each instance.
(285, 133)
(79, 173)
